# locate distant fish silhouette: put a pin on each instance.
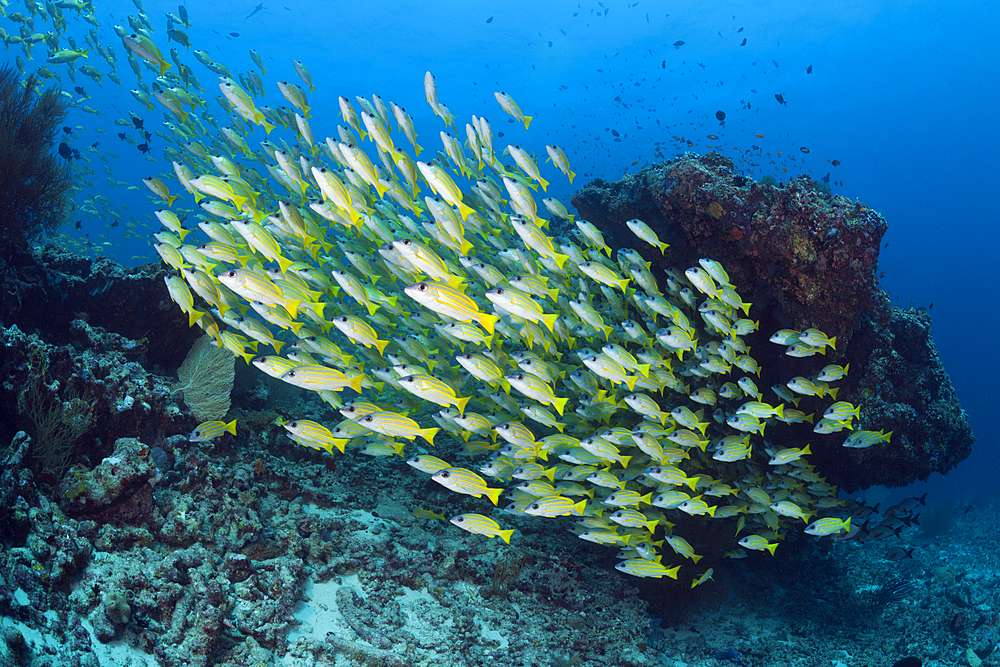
(809, 70)
(66, 151)
(678, 44)
(255, 10)
(744, 42)
(67, 129)
(780, 98)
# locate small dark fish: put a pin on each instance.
(744, 42)
(67, 129)
(739, 31)
(804, 149)
(615, 132)
(780, 98)
(776, 63)
(499, 134)
(114, 224)
(122, 136)
(729, 654)
(79, 223)
(809, 70)
(255, 10)
(137, 122)
(931, 306)
(234, 34)
(826, 179)
(908, 662)
(143, 148)
(664, 64)
(720, 115)
(66, 151)
(489, 20)
(835, 163)
(898, 553)
(95, 144)
(79, 90)
(678, 44)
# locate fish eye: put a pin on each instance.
(519, 376)
(343, 319)
(291, 374)
(459, 519)
(499, 290)
(422, 287)
(407, 242)
(534, 506)
(445, 474)
(369, 418)
(231, 273)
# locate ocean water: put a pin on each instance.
(902, 95)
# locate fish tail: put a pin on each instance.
(170, 199)
(356, 381)
(527, 121)
(380, 344)
(494, 494)
(460, 403)
(428, 435)
(560, 405)
(506, 535)
(276, 344)
(488, 322)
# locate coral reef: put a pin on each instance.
(95, 368)
(804, 258)
(46, 288)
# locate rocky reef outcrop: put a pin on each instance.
(805, 258)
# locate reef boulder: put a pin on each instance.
(805, 258)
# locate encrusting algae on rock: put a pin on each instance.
(594, 392)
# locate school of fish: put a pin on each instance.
(429, 297)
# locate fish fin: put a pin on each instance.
(560, 406)
(460, 403)
(549, 319)
(494, 494)
(527, 120)
(488, 321)
(428, 434)
(231, 427)
(506, 535)
(380, 344)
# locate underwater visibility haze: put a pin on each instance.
(449, 333)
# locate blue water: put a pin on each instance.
(903, 94)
